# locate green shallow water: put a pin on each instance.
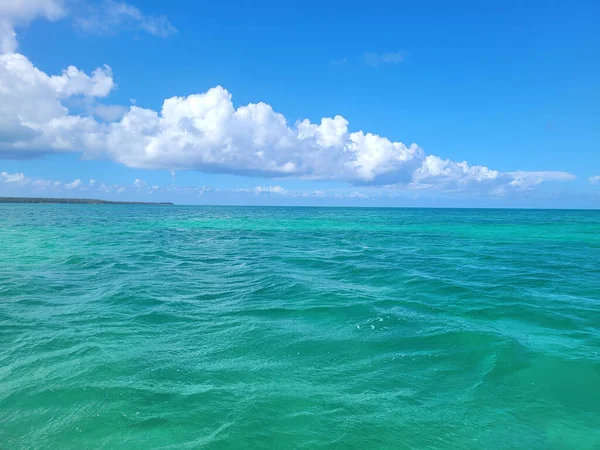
(144, 327)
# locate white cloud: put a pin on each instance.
(112, 188)
(92, 182)
(206, 132)
(438, 172)
(19, 179)
(41, 184)
(202, 190)
(529, 179)
(436, 167)
(377, 59)
(444, 174)
(109, 17)
(109, 113)
(30, 186)
(201, 132)
(263, 190)
(269, 190)
(338, 62)
(32, 115)
(26, 10)
(21, 12)
(16, 178)
(75, 82)
(595, 179)
(74, 184)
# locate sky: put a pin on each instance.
(432, 103)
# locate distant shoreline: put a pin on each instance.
(79, 201)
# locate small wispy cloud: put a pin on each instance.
(203, 189)
(263, 190)
(109, 17)
(41, 184)
(595, 179)
(269, 190)
(73, 184)
(376, 59)
(38, 184)
(436, 175)
(16, 178)
(338, 62)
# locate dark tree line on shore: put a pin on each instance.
(86, 201)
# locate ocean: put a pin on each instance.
(142, 327)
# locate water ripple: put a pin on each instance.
(224, 327)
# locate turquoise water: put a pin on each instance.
(144, 327)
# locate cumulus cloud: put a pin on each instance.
(435, 170)
(376, 59)
(439, 173)
(32, 115)
(109, 17)
(92, 182)
(207, 132)
(595, 179)
(109, 113)
(139, 184)
(202, 131)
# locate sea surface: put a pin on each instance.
(174, 327)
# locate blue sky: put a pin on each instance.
(418, 104)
